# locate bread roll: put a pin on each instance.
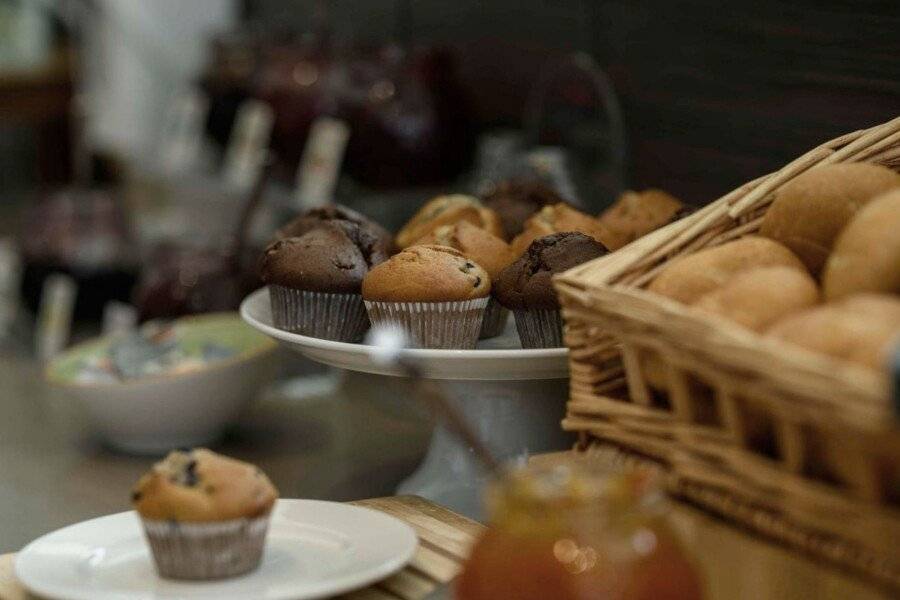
(861, 329)
(866, 256)
(635, 214)
(759, 297)
(809, 212)
(690, 277)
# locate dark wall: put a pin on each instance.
(715, 92)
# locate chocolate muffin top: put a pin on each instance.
(369, 233)
(427, 274)
(333, 257)
(202, 486)
(527, 283)
(516, 201)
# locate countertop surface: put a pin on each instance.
(444, 541)
(318, 435)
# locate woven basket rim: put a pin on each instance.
(602, 275)
(741, 201)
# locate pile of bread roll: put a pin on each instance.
(822, 273)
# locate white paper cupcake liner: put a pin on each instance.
(206, 550)
(494, 322)
(337, 317)
(433, 324)
(540, 328)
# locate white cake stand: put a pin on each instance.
(515, 399)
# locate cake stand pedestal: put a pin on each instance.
(514, 398)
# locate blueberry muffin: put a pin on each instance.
(526, 286)
(434, 293)
(204, 515)
(315, 279)
(447, 210)
(485, 249)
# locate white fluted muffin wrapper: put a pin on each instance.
(495, 317)
(540, 328)
(445, 325)
(337, 317)
(206, 551)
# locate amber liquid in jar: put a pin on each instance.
(571, 532)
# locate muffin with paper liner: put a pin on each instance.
(526, 286)
(204, 515)
(486, 250)
(435, 294)
(315, 277)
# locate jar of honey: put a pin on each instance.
(576, 532)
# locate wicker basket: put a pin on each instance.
(796, 445)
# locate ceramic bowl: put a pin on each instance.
(156, 413)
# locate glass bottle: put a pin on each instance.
(575, 532)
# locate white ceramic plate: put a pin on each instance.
(501, 358)
(314, 550)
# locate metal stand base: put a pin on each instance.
(516, 418)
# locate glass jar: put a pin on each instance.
(575, 532)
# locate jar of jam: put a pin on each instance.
(576, 532)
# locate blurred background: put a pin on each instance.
(149, 149)
(124, 122)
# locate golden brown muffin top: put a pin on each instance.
(427, 274)
(558, 218)
(635, 214)
(202, 486)
(447, 210)
(483, 247)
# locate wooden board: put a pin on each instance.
(444, 540)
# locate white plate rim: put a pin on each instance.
(349, 583)
(364, 349)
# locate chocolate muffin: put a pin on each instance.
(515, 201)
(434, 293)
(315, 280)
(368, 233)
(526, 286)
(204, 515)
